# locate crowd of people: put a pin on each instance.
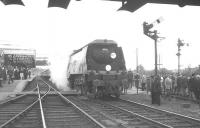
(10, 73)
(166, 85)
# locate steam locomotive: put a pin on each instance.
(97, 68)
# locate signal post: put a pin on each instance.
(180, 44)
(153, 35)
(155, 89)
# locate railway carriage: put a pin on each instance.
(97, 68)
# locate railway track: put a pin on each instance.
(110, 115)
(22, 106)
(46, 111)
(171, 120)
(30, 119)
(32, 85)
(50, 110)
(59, 113)
(11, 108)
(138, 115)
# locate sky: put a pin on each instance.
(56, 32)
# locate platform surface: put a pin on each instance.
(10, 90)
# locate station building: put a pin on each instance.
(42, 61)
(16, 56)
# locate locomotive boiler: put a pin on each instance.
(97, 68)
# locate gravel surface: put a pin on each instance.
(173, 105)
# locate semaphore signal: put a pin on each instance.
(153, 35)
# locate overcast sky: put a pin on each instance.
(56, 31)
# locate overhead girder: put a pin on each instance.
(133, 5)
(129, 5)
(9, 2)
(59, 3)
(52, 3)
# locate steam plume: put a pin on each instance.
(58, 69)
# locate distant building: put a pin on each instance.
(17, 56)
(42, 61)
(1, 57)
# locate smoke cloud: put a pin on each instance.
(58, 69)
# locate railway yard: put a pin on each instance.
(40, 104)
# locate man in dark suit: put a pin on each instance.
(156, 90)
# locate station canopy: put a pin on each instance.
(133, 5)
(12, 49)
(19, 51)
(128, 5)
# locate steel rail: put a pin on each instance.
(20, 113)
(157, 109)
(41, 109)
(140, 116)
(26, 88)
(102, 113)
(82, 111)
(94, 120)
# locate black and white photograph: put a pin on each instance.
(99, 64)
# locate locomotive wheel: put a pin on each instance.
(94, 92)
(100, 93)
(117, 95)
(84, 89)
(78, 89)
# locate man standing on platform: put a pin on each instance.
(168, 87)
(1, 76)
(130, 78)
(156, 90)
(137, 81)
(10, 74)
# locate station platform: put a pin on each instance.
(10, 90)
(133, 90)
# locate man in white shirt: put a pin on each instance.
(168, 87)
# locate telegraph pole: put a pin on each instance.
(137, 66)
(155, 40)
(137, 60)
(159, 62)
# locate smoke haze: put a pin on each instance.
(58, 69)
